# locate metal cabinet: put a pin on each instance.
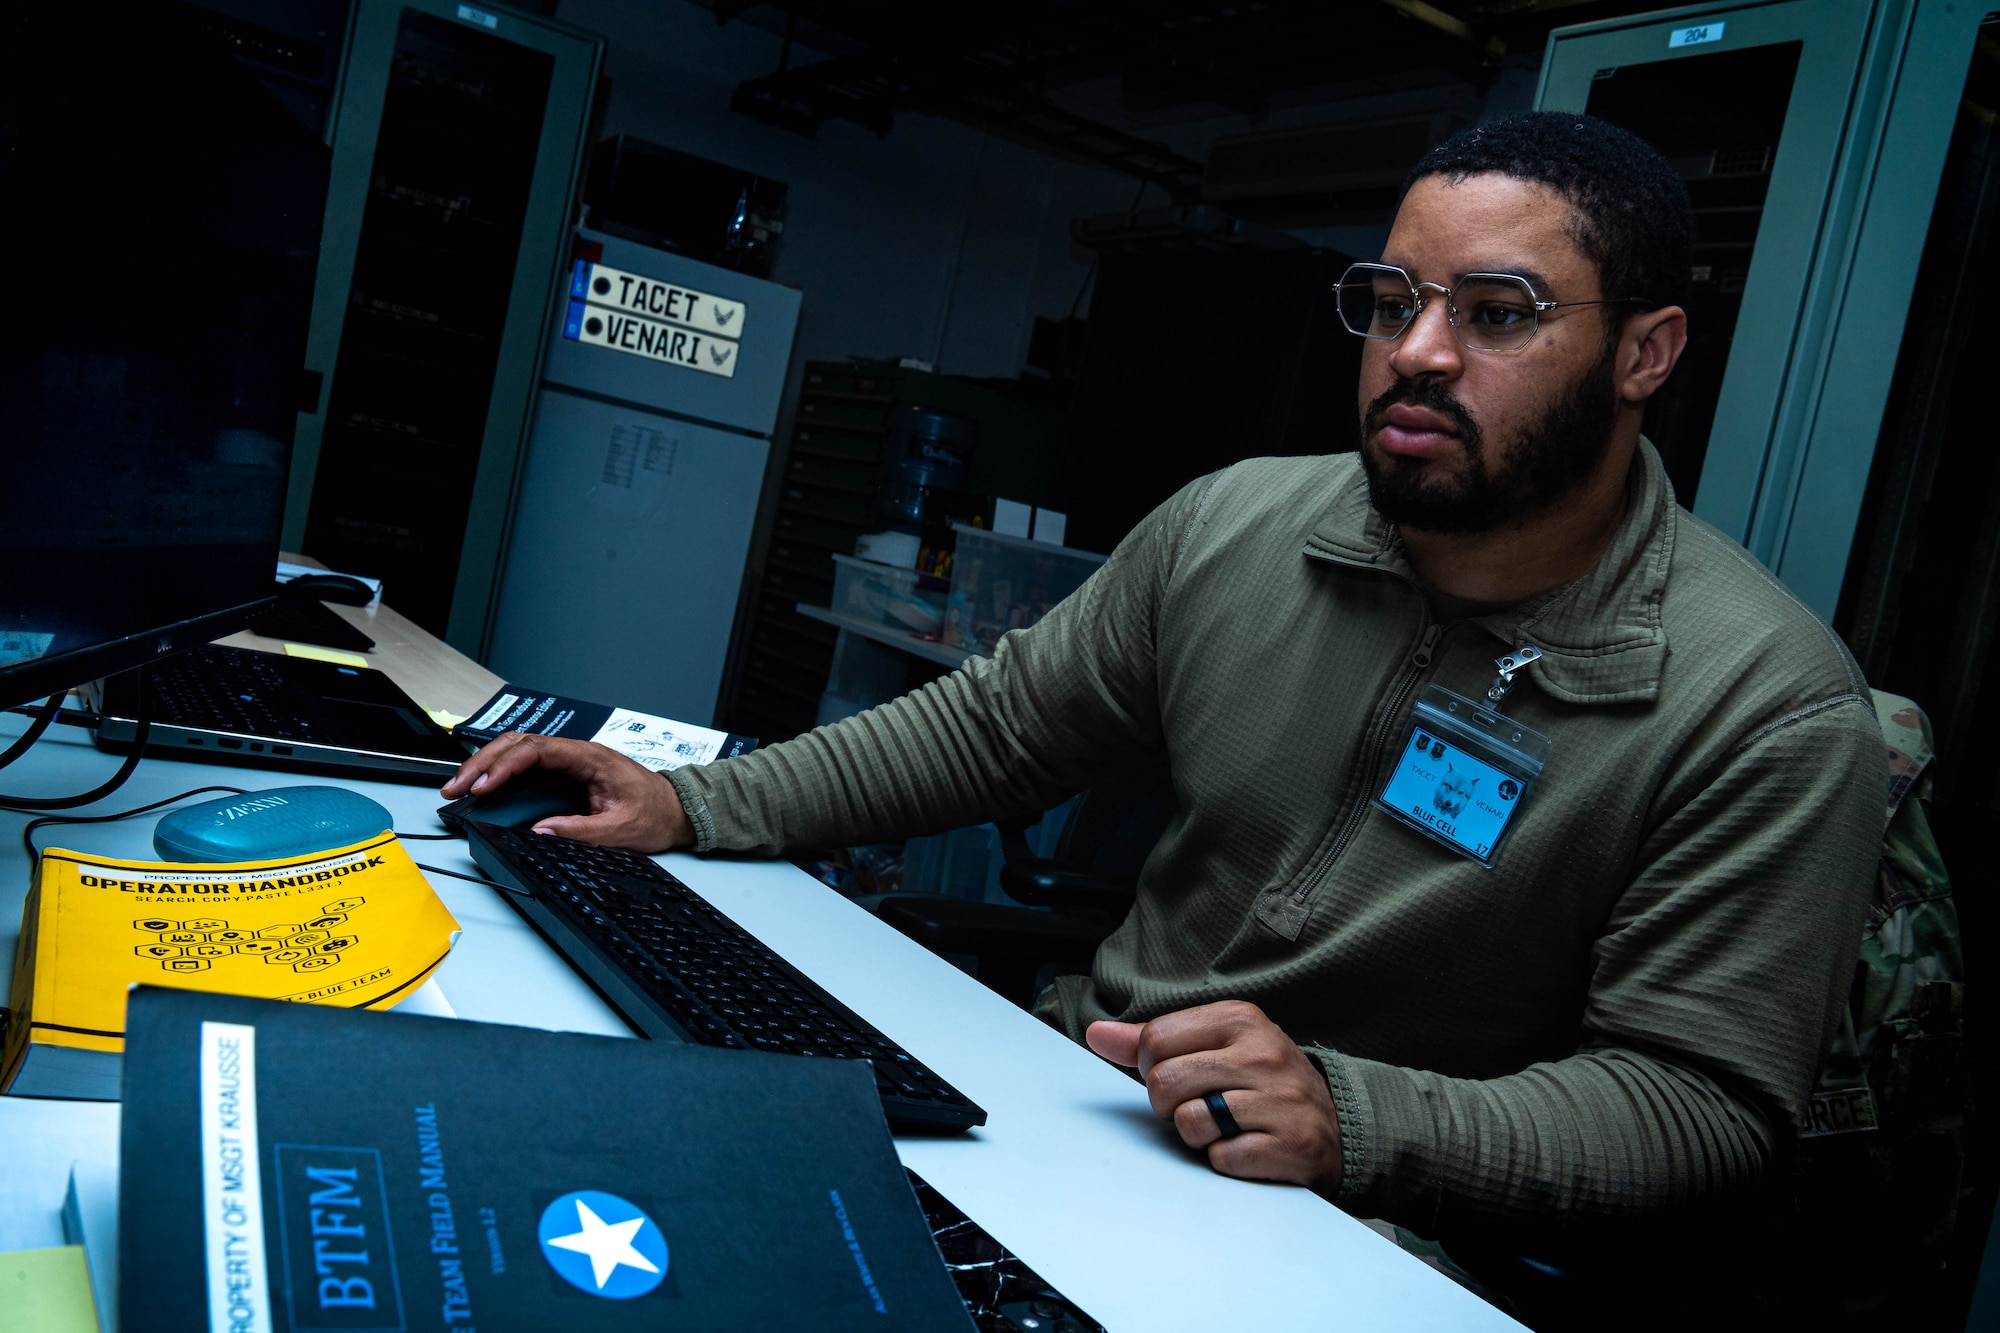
(458, 135)
(1811, 134)
(643, 481)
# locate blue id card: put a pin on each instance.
(1464, 772)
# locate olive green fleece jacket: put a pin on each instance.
(1622, 1015)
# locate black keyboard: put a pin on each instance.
(677, 968)
(228, 689)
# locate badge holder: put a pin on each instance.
(1466, 769)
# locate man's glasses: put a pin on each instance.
(1492, 312)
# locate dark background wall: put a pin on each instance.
(1193, 362)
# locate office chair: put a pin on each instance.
(1087, 885)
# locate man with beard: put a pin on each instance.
(1616, 1014)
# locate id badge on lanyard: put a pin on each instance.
(1466, 769)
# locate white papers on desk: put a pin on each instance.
(659, 743)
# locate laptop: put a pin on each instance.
(286, 712)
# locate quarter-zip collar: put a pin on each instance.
(1601, 636)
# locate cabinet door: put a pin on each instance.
(1811, 134)
(760, 329)
(457, 139)
(1751, 112)
(627, 559)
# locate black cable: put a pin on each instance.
(43, 716)
(71, 717)
(427, 837)
(471, 879)
(144, 719)
(34, 853)
(1088, 274)
(28, 831)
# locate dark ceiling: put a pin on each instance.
(1005, 66)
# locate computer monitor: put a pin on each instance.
(159, 232)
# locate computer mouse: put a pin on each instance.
(329, 588)
(530, 796)
(264, 825)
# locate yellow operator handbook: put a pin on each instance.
(356, 926)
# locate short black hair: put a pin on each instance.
(1633, 217)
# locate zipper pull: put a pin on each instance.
(1422, 657)
(1508, 665)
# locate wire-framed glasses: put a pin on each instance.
(1491, 312)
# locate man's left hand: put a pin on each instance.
(1277, 1096)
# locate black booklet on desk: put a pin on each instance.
(658, 743)
(290, 1167)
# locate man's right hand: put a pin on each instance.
(630, 806)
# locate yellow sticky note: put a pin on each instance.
(318, 654)
(443, 717)
(46, 1291)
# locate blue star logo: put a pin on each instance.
(601, 1244)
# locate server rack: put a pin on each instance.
(458, 138)
(1771, 432)
(641, 490)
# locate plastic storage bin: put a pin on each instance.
(1001, 583)
(883, 594)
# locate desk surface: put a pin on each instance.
(430, 671)
(1072, 1171)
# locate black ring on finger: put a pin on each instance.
(1225, 1122)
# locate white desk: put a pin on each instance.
(1072, 1171)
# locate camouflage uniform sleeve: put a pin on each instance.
(1911, 963)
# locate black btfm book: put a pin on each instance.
(291, 1167)
(659, 743)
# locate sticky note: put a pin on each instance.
(46, 1291)
(318, 654)
(443, 718)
